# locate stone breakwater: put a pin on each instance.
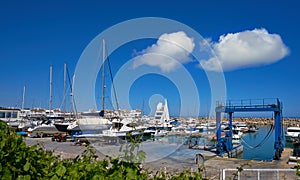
(260, 121)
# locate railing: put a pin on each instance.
(249, 103)
(259, 174)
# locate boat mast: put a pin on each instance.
(50, 100)
(72, 96)
(65, 86)
(23, 100)
(103, 84)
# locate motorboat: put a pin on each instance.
(292, 133)
(236, 138)
(240, 126)
(150, 131)
(208, 126)
(124, 128)
(160, 133)
(191, 130)
(294, 156)
(43, 129)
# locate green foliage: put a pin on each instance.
(239, 170)
(131, 152)
(19, 161)
(298, 170)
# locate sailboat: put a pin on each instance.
(69, 118)
(122, 125)
(93, 121)
(46, 127)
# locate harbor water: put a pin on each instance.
(259, 145)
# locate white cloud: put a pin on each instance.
(167, 52)
(245, 49)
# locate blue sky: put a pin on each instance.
(35, 34)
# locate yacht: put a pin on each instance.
(160, 132)
(91, 124)
(43, 129)
(191, 130)
(292, 133)
(208, 126)
(150, 131)
(162, 116)
(236, 139)
(236, 136)
(123, 128)
(240, 126)
(155, 131)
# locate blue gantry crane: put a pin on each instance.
(252, 105)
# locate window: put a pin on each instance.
(293, 130)
(2, 114)
(132, 125)
(14, 114)
(8, 114)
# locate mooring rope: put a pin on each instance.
(262, 142)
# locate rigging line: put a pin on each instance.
(262, 142)
(113, 86)
(71, 89)
(111, 104)
(65, 97)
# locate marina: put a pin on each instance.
(150, 90)
(170, 143)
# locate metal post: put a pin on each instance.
(218, 124)
(230, 131)
(223, 173)
(277, 143)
